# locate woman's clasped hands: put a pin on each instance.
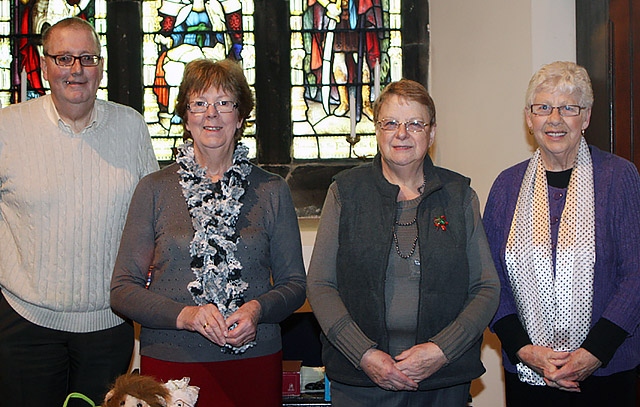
(406, 370)
(561, 370)
(238, 329)
(382, 369)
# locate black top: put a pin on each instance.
(559, 179)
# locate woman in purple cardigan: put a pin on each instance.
(564, 231)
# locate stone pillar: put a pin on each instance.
(124, 46)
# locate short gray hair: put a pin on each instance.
(71, 22)
(563, 76)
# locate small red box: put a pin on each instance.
(291, 377)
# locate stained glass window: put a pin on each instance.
(21, 25)
(178, 31)
(342, 53)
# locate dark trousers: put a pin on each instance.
(617, 390)
(344, 395)
(41, 366)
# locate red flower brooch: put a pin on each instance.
(440, 222)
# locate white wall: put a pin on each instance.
(482, 56)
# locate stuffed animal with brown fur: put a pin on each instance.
(136, 391)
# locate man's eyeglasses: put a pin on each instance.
(69, 60)
(221, 106)
(564, 110)
(414, 126)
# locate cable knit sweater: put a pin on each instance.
(63, 201)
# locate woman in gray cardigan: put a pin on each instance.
(210, 260)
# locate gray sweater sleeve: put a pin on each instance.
(322, 288)
(286, 264)
(128, 294)
(484, 290)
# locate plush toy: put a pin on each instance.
(134, 390)
(181, 394)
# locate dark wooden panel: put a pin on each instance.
(621, 77)
(592, 37)
(607, 33)
(635, 90)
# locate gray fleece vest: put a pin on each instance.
(368, 205)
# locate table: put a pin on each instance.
(314, 399)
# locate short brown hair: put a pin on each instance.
(202, 74)
(410, 90)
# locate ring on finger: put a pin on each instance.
(205, 325)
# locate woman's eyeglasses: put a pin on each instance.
(413, 126)
(564, 110)
(221, 106)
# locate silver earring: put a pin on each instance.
(582, 131)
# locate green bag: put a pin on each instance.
(78, 396)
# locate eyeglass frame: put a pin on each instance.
(380, 123)
(214, 104)
(78, 58)
(559, 108)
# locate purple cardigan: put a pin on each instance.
(616, 295)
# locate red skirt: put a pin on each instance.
(237, 383)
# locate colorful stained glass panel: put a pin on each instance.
(21, 28)
(176, 32)
(342, 53)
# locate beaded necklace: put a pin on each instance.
(395, 238)
(406, 224)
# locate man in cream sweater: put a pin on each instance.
(68, 166)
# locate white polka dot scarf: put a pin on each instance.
(554, 307)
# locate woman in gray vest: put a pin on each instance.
(401, 279)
